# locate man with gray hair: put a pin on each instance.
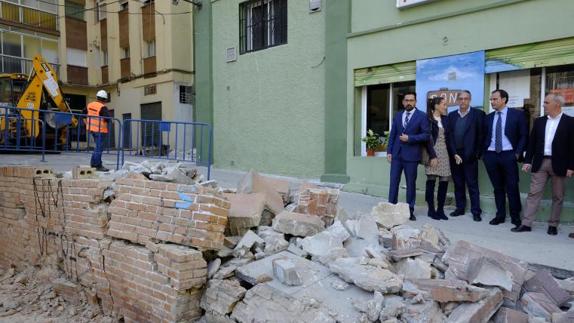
(549, 155)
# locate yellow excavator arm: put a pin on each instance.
(41, 77)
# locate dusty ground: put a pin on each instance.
(29, 296)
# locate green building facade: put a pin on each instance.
(300, 107)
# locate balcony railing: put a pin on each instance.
(13, 64)
(38, 19)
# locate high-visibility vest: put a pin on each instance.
(94, 122)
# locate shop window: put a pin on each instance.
(262, 24)
(560, 80)
(379, 105)
(524, 91)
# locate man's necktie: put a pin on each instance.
(406, 119)
(498, 133)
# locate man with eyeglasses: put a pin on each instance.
(409, 132)
(506, 136)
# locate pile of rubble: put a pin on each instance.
(315, 263)
(154, 242)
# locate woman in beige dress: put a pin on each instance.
(439, 165)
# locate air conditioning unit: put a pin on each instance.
(314, 5)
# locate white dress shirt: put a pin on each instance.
(506, 145)
(551, 126)
(410, 115)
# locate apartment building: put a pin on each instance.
(141, 52)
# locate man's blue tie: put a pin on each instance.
(406, 119)
(498, 133)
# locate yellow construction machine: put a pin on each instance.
(25, 100)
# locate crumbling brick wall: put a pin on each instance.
(138, 255)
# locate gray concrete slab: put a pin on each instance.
(536, 246)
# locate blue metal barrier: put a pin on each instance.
(14, 134)
(78, 139)
(169, 140)
(57, 134)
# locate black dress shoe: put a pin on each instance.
(516, 223)
(412, 217)
(496, 221)
(102, 169)
(521, 228)
(457, 213)
(476, 218)
(552, 230)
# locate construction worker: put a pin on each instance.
(97, 125)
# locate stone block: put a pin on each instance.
(538, 304)
(426, 312)
(286, 272)
(479, 312)
(264, 303)
(298, 224)
(274, 241)
(460, 256)
(390, 215)
(245, 212)
(369, 278)
(221, 296)
(543, 282)
(563, 317)
(413, 269)
(444, 291)
(508, 315)
(489, 272)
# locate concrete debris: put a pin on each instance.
(245, 212)
(286, 272)
(413, 269)
(321, 244)
(489, 272)
(508, 315)
(213, 267)
(462, 255)
(221, 296)
(390, 215)
(444, 291)
(251, 183)
(543, 282)
(479, 312)
(425, 312)
(274, 241)
(563, 317)
(298, 224)
(538, 305)
(249, 240)
(160, 250)
(263, 303)
(393, 307)
(567, 284)
(369, 278)
(375, 306)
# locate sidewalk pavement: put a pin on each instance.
(535, 247)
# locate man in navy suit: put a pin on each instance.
(466, 140)
(506, 136)
(409, 132)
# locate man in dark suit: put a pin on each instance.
(505, 139)
(466, 140)
(409, 132)
(549, 154)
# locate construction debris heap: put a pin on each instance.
(155, 243)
